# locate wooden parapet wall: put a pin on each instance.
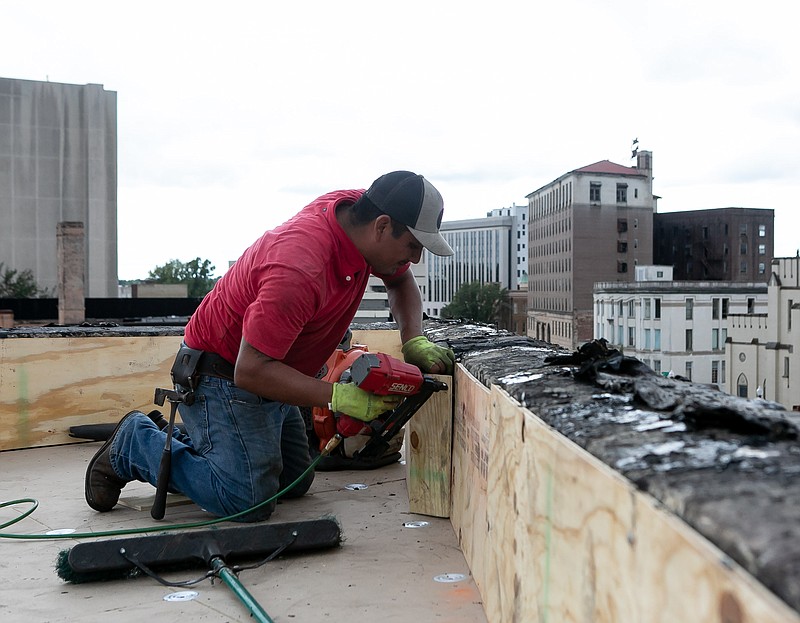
(49, 384)
(63, 377)
(553, 534)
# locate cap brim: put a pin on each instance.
(434, 242)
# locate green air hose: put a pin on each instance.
(160, 528)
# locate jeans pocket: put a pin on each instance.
(238, 396)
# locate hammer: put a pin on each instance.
(174, 397)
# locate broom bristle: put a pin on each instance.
(68, 574)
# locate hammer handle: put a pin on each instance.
(162, 484)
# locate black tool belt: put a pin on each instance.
(211, 364)
(191, 363)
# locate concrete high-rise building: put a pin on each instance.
(724, 244)
(487, 250)
(590, 225)
(58, 163)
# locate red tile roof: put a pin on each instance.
(606, 166)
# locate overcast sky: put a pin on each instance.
(233, 115)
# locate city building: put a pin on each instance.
(374, 306)
(724, 244)
(58, 164)
(762, 349)
(487, 250)
(593, 224)
(675, 326)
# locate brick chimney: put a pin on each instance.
(71, 273)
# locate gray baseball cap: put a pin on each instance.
(412, 200)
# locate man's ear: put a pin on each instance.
(382, 226)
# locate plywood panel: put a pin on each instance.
(428, 443)
(470, 469)
(50, 384)
(379, 341)
(568, 539)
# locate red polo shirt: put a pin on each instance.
(292, 294)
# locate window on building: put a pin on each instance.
(622, 193)
(715, 371)
(620, 335)
(741, 386)
(620, 305)
(647, 339)
(743, 228)
(762, 249)
(622, 225)
(705, 233)
(762, 231)
(689, 370)
(657, 314)
(789, 316)
(786, 368)
(631, 336)
(622, 246)
(714, 339)
(722, 371)
(622, 267)
(743, 248)
(689, 309)
(715, 309)
(657, 366)
(725, 305)
(689, 346)
(631, 309)
(751, 306)
(594, 191)
(743, 266)
(647, 306)
(656, 339)
(762, 268)
(659, 273)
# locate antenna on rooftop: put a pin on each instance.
(634, 147)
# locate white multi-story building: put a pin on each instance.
(674, 326)
(762, 350)
(487, 250)
(374, 305)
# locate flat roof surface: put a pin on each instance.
(383, 571)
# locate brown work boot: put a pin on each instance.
(102, 485)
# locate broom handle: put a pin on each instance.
(160, 503)
(229, 577)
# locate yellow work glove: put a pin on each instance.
(424, 354)
(351, 400)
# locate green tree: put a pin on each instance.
(197, 274)
(19, 285)
(478, 302)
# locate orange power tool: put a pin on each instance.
(380, 374)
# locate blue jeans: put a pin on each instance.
(240, 449)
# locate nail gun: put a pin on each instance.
(380, 374)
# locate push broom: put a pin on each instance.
(215, 549)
